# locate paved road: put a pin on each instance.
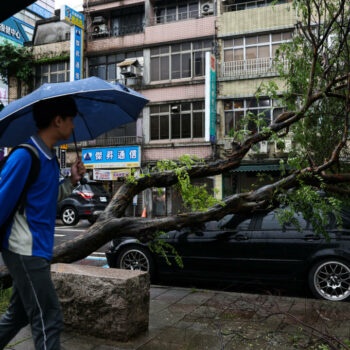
(65, 233)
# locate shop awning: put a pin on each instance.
(258, 167)
(128, 63)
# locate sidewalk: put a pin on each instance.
(192, 319)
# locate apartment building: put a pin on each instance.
(18, 30)
(157, 48)
(249, 33)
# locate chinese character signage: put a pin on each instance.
(113, 157)
(12, 30)
(210, 98)
(76, 20)
(72, 17)
(110, 175)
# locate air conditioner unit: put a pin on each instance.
(207, 8)
(100, 30)
(287, 147)
(260, 147)
(130, 71)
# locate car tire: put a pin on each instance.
(69, 216)
(135, 257)
(329, 279)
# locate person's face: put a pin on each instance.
(65, 127)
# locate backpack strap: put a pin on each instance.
(32, 176)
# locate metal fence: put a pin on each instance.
(251, 67)
(251, 4)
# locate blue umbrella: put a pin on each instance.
(102, 106)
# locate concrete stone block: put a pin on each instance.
(108, 303)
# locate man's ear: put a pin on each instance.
(56, 122)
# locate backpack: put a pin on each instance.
(32, 176)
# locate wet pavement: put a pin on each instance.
(195, 319)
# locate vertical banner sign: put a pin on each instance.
(210, 98)
(76, 20)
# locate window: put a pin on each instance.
(128, 21)
(105, 67)
(252, 54)
(236, 110)
(179, 61)
(52, 73)
(177, 121)
(177, 11)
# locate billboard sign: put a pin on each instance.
(110, 175)
(76, 20)
(112, 157)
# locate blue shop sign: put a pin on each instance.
(39, 10)
(12, 30)
(112, 157)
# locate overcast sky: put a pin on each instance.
(74, 4)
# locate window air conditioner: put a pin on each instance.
(207, 8)
(99, 30)
(260, 147)
(287, 147)
(129, 71)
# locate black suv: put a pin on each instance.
(87, 201)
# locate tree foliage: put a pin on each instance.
(16, 61)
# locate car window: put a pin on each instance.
(97, 189)
(238, 222)
(270, 222)
(212, 226)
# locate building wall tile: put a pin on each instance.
(175, 93)
(175, 152)
(158, 34)
(256, 19)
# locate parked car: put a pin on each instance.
(251, 248)
(87, 201)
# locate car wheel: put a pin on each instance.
(330, 280)
(69, 216)
(136, 258)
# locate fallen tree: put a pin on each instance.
(316, 106)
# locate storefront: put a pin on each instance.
(112, 165)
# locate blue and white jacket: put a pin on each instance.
(31, 234)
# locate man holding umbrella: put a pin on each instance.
(29, 239)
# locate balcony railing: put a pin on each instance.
(180, 16)
(251, 4)
(109, 142)
(251, 67)
(116, 31)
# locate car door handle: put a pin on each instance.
(241, 238)
(311, 238)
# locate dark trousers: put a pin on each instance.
(34, 301)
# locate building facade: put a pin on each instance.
(168, 40)
(249, 34)
(18, 30)
(158, 48)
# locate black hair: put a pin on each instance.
(45, 111)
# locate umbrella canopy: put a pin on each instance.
(102, 106)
